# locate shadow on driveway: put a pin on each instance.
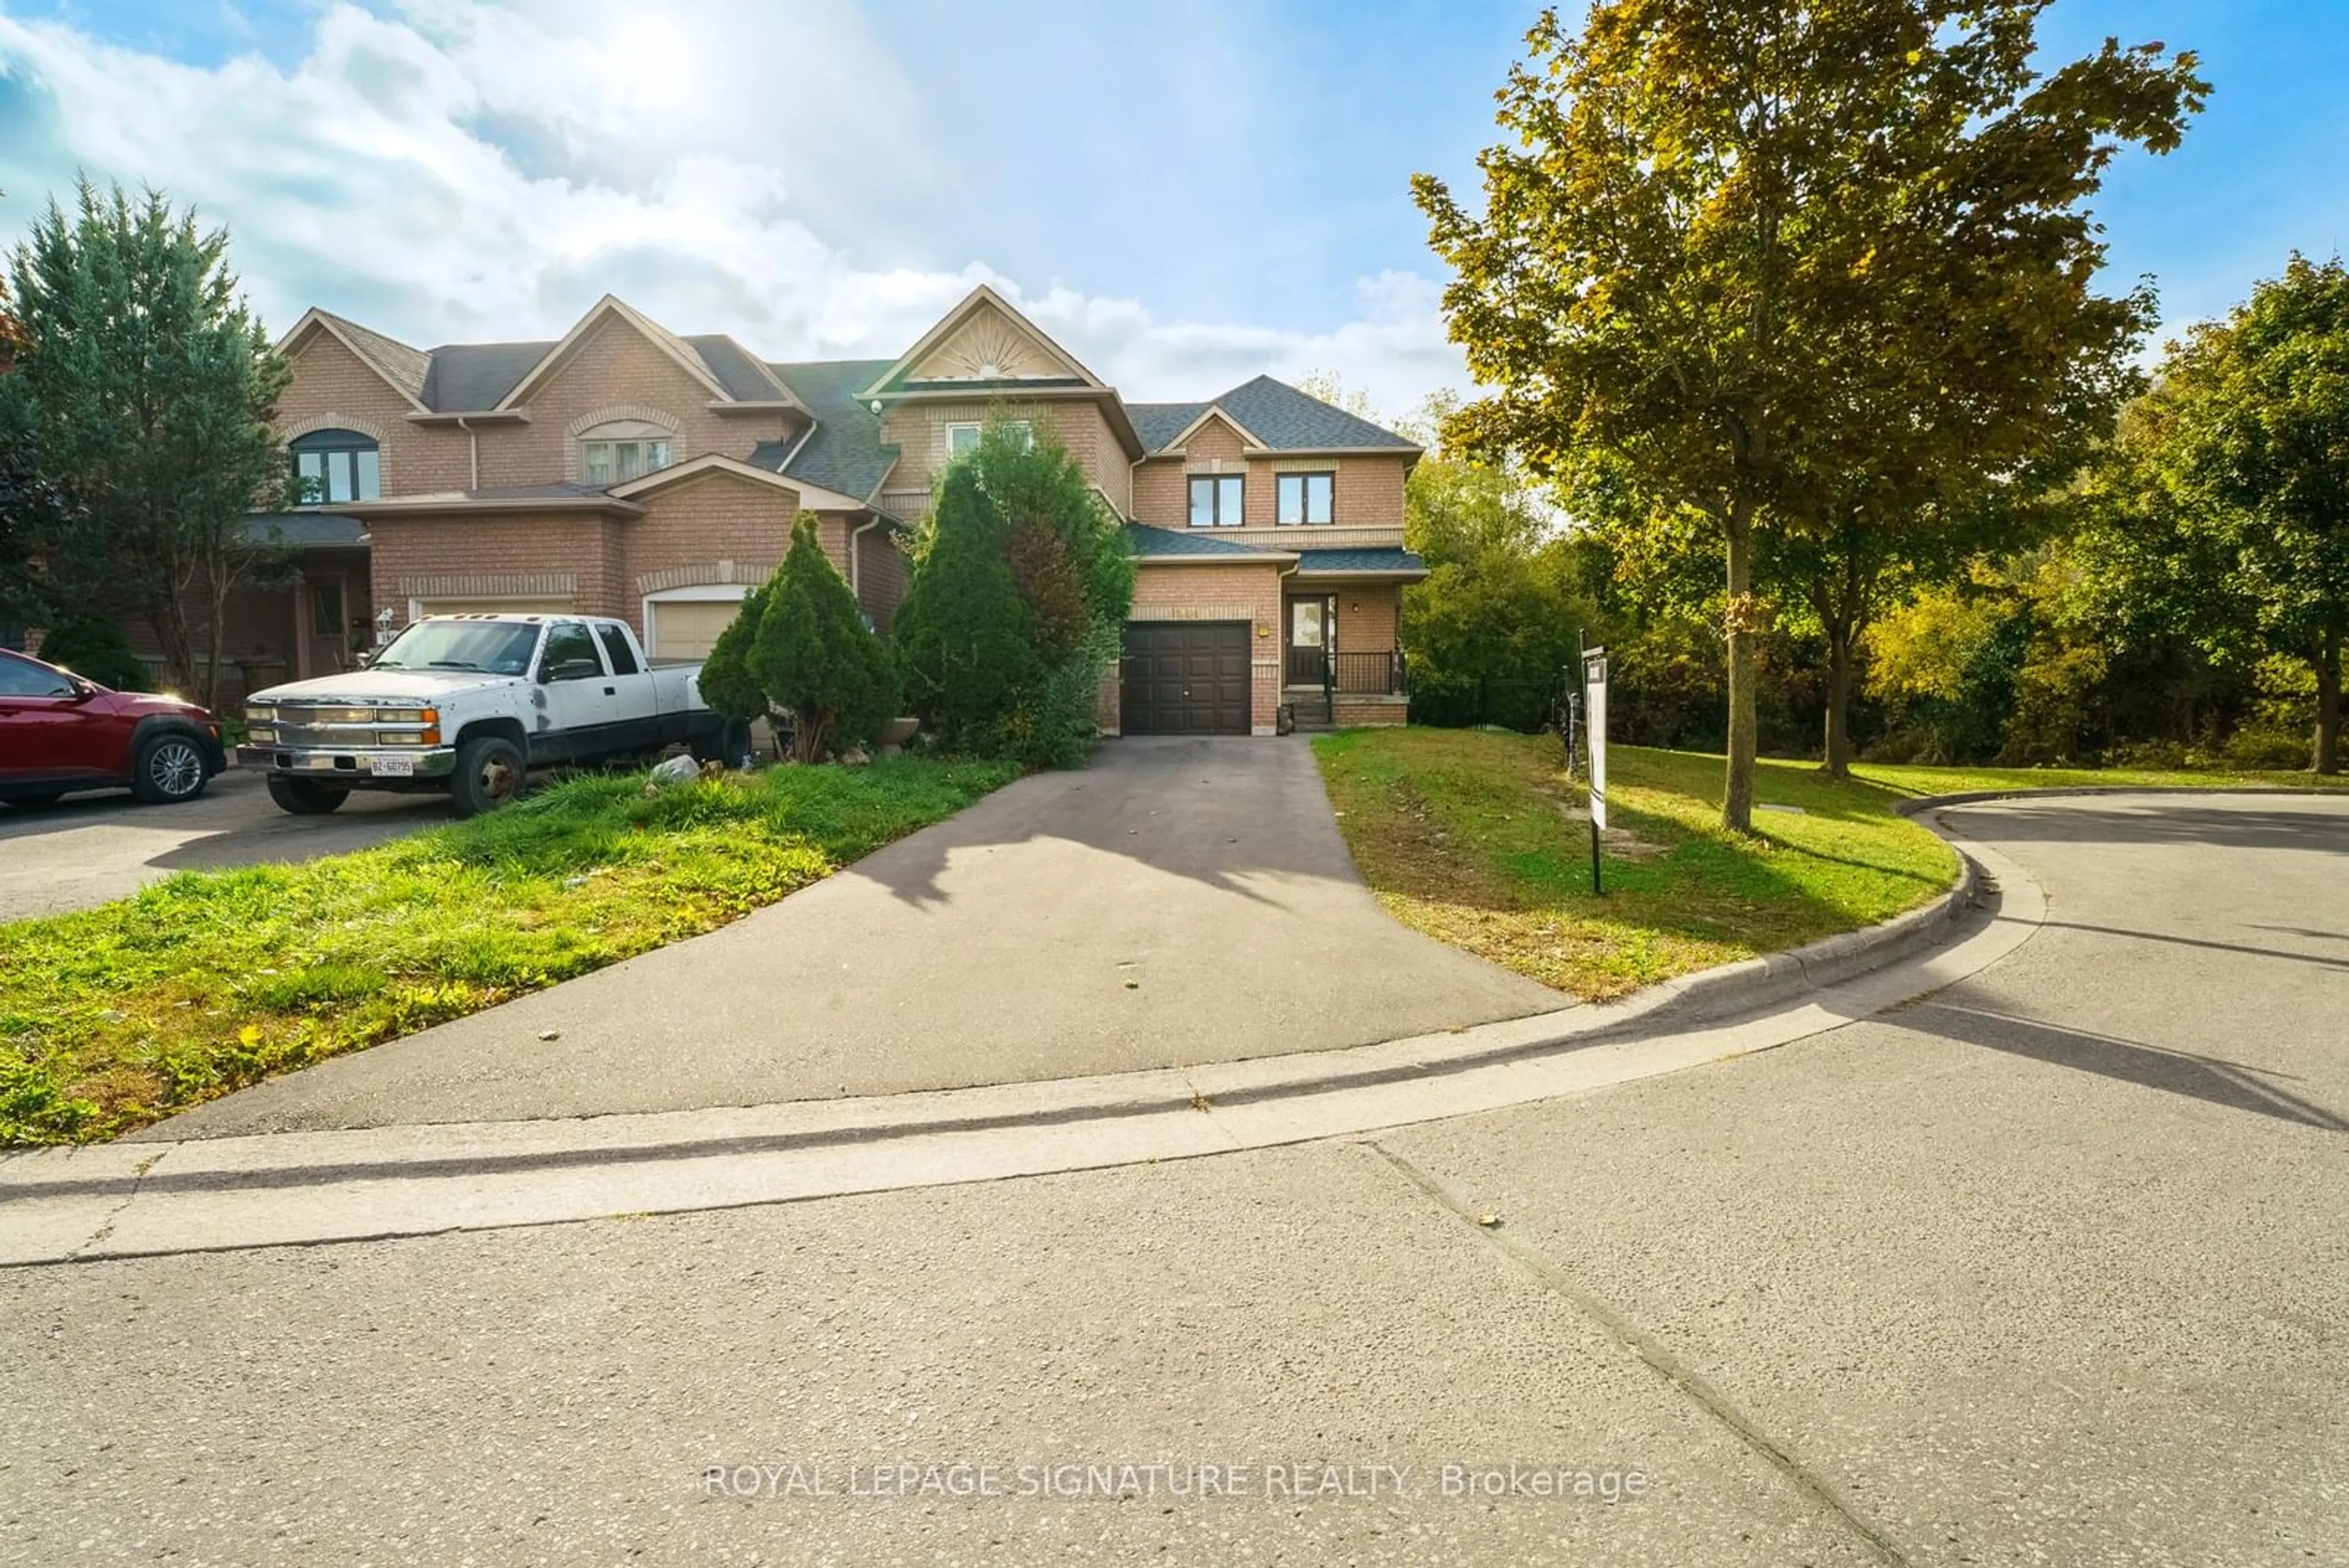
(1179, 901)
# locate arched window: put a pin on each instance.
(622, 450)
(335, 466)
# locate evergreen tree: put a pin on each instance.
(816, 659)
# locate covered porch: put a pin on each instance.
(1342, 660)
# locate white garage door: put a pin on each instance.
(493, 606)
(685, 628)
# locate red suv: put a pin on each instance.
(60, 732)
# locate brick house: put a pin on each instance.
(626, 471)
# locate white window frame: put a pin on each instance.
(977, 428)
(665, 446)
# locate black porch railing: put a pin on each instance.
(1368, 674)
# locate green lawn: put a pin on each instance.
(1477, 839)
(112, 1018)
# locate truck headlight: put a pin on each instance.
(259, 715)
(408, 716)
(261, 735)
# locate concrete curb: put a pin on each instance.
(124, 1200)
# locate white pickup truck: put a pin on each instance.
(471, 704)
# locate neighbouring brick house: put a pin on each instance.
(626, 471)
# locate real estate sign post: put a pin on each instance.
(1594, 725)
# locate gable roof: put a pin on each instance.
(979, 300)
(1286, 418)
(402, 369)
(1279, 417)
(604, 309)
(844, 451)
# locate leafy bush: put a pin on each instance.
(2260, 748)
(96, 650)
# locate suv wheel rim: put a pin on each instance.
(497, 778)
(175, 768)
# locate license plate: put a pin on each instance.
(394, 767)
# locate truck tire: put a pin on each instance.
(305, 797)
(166, 768)
(490, 773)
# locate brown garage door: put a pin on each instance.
(1185, 678)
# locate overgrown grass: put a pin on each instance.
(1478, 840)
(114, 1017)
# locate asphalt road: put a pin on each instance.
(89, 848)
(2048, 1268)
(1179, 901)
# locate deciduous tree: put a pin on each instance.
(1714, 226)
(2248, 433)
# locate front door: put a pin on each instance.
(328, 629)
(1313, 634)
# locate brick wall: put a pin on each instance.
(619, 373)
(1249, 593)
(703, 521)
(1366, 492)
(332, 388)
(918, 429)
(1367, 617)
(881, 575)
(410, 553)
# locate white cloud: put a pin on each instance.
(457, 173)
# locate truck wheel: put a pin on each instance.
(305, 797)
(490, 773)
(167, 768)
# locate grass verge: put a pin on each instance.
(117, 1016)
(1478, 840)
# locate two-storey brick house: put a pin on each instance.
(626, 471)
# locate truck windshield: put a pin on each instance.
(493, 647)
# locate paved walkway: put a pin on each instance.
(1180, 901)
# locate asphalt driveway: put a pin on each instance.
(1179, 901)
(89, 848)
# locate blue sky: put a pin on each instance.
(1183, 206)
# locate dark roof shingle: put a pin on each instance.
(1285, 419)
(1147, 542)
(1310, 560)
(744, 378)
(846, 452)
(467, 377)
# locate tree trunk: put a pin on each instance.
(2327, 759)
(1737, 784)
(170, 628)
(218, 582)
(1838, 737)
